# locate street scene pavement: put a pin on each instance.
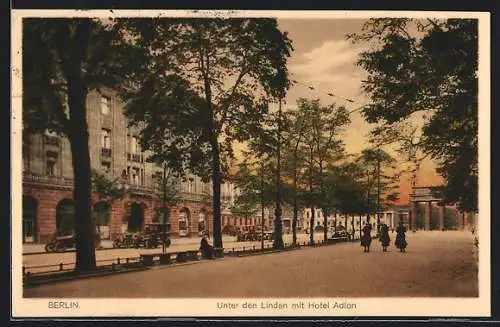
(436, 264)
(42, 261)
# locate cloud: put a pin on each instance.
(324, 63)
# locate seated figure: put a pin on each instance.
(207, 251)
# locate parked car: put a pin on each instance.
(151, 236)
(62, 243)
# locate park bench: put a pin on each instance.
(148, 259)
(218, 252)
(183, 256)
(338, 239)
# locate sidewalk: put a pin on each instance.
(108, 244)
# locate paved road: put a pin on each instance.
(68, 258)
(436, 265)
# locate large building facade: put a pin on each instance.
(48, 206)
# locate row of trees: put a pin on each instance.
(195, 86)
(316, 170)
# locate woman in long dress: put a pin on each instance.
(401, 243)
(385, 240)
(366, 238)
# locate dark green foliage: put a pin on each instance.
(107, 189)
(63, 59)
(209, 84)
(433, 73)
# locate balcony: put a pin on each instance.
(196, 197)
(51, 140)
(44, 180)
(135, 157)
(106, 152)
(141, 189)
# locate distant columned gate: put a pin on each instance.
(427, 195)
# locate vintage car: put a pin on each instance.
(151, 236)
(62, 243)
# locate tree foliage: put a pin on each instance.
(427, 67)
(64, 59)
(229, 69)
(322, 148)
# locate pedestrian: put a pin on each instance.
(384, 238)
(401, 243)
(207, 251)
(366, 238)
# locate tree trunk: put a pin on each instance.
(295, 209)
(278, 237)
(311, 236)
(216, 183)
(353, 228)
(325, 225)
(79, 140)
(262, 204)
(294, 222)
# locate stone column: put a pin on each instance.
(441, 217)
(413, 215)
(460, 220)
(427, 215)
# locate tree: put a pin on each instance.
(432, 73)
(324, 148)
(295, 128)
(350, 191)
(64, 59)
(381, 179)
(245, 205)
(235, 66)
(108, 190)
(168, 191)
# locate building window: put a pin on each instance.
(105, 109)
(135, 176)
(106, 166)
(50, 167)
(133, 145)
(190, 186)
(105, 139)
(50, 164)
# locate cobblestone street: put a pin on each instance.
(437, 264)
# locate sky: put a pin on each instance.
(325, 60)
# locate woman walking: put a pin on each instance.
(385, 240)
(401, 243)
(366, 239)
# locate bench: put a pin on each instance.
(166, 258)
(148, 259)
(183, 256)
(338, 239)
(218, 252)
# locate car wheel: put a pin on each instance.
(49, 247)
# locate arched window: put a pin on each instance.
(202, 224)
(29, 219)
(101, 218)
(183, 222)
(65, 217)
(136, 218)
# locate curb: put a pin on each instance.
(55, 279)
(69, 251)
